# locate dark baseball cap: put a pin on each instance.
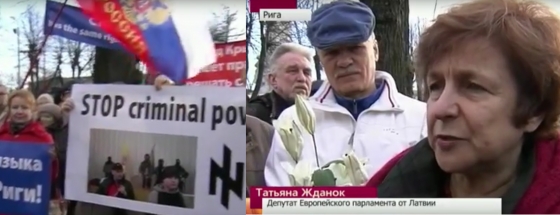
(340, 22)
(117, 167)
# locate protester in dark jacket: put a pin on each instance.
(117, 186)
(168, 192)
(61, 98)
(20, 127)
(259, 139)
(290, 75)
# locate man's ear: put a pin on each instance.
(271, 78)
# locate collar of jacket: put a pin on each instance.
(356, 106)
(387, 101)
(419, 166)
(279, 104)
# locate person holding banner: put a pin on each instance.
(63, 93)
(20, 126)
(492, 76)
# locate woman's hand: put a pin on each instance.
(162, 80)
(67, 105)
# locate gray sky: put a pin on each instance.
(9, 9)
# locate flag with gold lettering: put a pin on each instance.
(147, 29)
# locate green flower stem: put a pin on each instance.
(316, 153)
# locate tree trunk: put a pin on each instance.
(115, 66)
(392, 34)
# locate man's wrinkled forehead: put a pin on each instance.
(294, 61)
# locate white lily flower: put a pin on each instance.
(341, 174)
(355, 169)
(305, 114)
(301, 174)
(291, 138)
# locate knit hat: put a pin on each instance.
(52, 109)
(45, 98)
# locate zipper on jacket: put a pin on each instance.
(355, 108)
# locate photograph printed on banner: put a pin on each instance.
(155, 168)
(177, 151)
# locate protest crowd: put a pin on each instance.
(45, 120)
(487, 130)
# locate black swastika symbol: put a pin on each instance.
(228, 183)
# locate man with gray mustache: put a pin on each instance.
(289, 74)
(358, 108)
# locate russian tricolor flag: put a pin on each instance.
(147, 29)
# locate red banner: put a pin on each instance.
(231, 61)
(259, 193)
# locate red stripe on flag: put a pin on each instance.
(259, 193)
(256, 5)
(111, 17)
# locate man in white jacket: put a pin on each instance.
(358, 109)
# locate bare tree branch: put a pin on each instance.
(250, 20)
(32, 33)
(416, 29)
(81, 58)
(223, 30)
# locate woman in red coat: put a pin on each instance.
(20, 126)
(491, 71)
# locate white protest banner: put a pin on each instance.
(119, 132)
